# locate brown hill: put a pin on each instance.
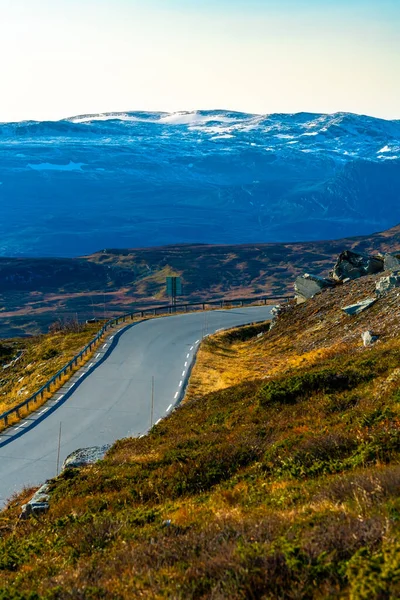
(36, 292)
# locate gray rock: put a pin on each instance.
(38, 504)
(385, 284)
(307, 286)
(351, 265)
(85, 456)
(392, 262)
(355, 309)
(368, 338)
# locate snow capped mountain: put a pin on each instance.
(141, 179)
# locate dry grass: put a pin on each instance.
(279, 486)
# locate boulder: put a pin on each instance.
(351, 265)
(385, 284)
(355, 309)
(85, 456)
(392, 262)
(368, 338)
(307, 286)
(38, 504)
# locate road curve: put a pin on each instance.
(111, 398)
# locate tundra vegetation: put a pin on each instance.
(279, 477)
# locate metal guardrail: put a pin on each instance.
(154, 310)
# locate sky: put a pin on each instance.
(61, 58)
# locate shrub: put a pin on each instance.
(290, 389)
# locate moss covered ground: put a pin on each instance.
(279, 481)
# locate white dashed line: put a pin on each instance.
(98, 356)
(169, 408)
(23, 425)
(197, 341)
(112, 337)
(192, 348)
(183, 373)
(187, 355)
(186, 364)
(43, 411)
(61, 397)
(72, 386)
(105, 346)
(176, 395)
(91, 365)
(157, 422)
(180, 383)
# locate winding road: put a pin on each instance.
(111, 397)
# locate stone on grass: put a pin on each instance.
(392, 262)
(38, 504)
(307, 286)
(385, 284)
(351, 265)
(368, 338)
(359, 307)
(85, 456)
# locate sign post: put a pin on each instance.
(174, 288)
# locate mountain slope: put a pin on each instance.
(285, 484)
(148, 179)
(36, 292)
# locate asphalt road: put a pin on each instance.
(110, 398)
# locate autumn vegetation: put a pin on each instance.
(279, 477)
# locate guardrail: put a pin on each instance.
(154, 310)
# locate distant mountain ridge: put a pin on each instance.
(140, 179)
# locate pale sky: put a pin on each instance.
(61, 58)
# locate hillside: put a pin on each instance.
(36, 292)
(150, 179)
(279, 476)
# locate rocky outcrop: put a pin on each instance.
(85, 456)
(359, 307)
(385, 284)
(351, 265)
(307, 286)
(392, 262)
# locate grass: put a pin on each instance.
(284, 483)
(41, 357)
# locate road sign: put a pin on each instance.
(174, 287)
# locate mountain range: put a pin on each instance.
(135, 179)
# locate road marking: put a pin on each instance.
(91, 365)
(169, 408)
(61, 397)
(216, 331)
(112, 337)
(43, 411)
(72, 386)
(197, 341)
(187, 355)
(105, 346)
(185, 364)
(98, 356)
(176, 395)
(183, 373)
(157, 422)
(23, 425)
(181, 383)
(81, 375)
(192, 348)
